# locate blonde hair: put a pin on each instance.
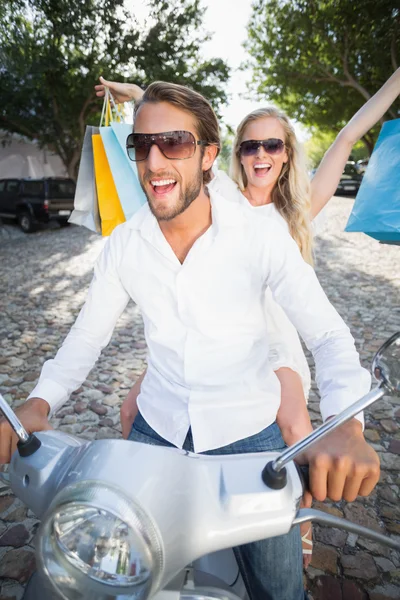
(192, 102)
(291, 194)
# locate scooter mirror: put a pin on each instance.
(386, 364)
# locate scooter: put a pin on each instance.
(122, 520)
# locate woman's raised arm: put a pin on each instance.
(122, 92)
(327, 177)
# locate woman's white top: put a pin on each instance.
(285, 349)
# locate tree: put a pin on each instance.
(321, 59)
(53, 51)
(224, 157)
(316, 146)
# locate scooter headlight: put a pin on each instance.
(94, 540)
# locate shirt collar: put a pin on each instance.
(225, 214)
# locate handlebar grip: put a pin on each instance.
(304, 474)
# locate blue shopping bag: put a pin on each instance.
(125, 177)
(376, 210)
(122, 130)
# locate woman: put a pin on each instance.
(269, 175)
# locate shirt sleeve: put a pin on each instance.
(294, 285)
(224, 185)
(106, 300)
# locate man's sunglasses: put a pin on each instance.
(271, 146)
(175, 145)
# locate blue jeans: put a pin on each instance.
(271, 569)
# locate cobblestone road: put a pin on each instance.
(44, 278)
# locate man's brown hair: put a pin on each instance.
(192, 102)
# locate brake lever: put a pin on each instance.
(310, 514)
(304, 474)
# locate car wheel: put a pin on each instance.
(26, 222)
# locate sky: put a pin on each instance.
(227, 43)
(227, 21)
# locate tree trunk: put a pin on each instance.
(72, 165)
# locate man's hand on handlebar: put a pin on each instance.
(342, 465)
(33, 416)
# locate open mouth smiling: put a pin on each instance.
(262, 168)
(162, 186)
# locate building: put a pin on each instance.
(21, 157)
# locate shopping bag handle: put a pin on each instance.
(111, 111)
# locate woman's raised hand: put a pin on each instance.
(122, 92)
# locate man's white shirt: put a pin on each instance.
(205, 328)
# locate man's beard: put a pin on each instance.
(185, 199)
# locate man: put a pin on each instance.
(197, 267)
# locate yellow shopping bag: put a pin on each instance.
(111, 213)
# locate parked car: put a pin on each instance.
(362, 165)
(34, 201)
(350, 180)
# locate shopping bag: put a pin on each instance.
(376, 210)
(125, 178)
(86, 211)
(122, 130)
(111, 213)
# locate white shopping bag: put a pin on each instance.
(86, 209)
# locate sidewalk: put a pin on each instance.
(44, 278)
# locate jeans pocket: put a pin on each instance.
(141, 426)
(269, 439)
(142, 432)
(142, 438)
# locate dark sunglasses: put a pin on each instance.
(271, 146)
(175, 145)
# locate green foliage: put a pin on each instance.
(359, 152)
(224, 157)
(316, 146)
(53, 51)
(321, 60)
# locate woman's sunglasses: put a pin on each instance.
(175, 145)
(271, 146)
